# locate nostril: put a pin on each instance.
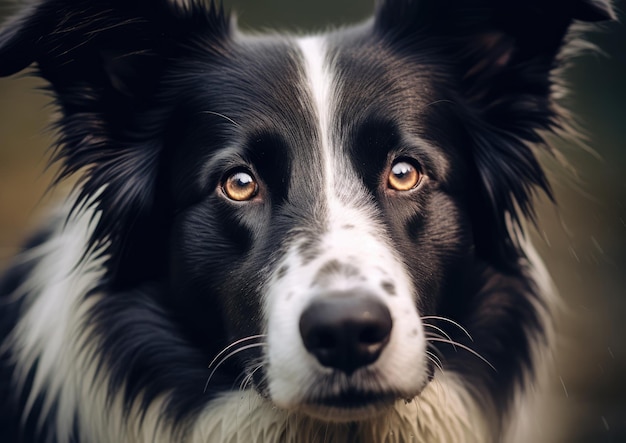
(323, 339)
(346, 331)
(373, 334)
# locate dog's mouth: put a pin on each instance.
(351, 405)
(354, 403)
(353, 399)
(340, 398)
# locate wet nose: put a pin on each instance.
(346, 331)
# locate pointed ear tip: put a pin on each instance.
(17, 41)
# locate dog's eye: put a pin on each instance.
(240, 186)
(403, 176)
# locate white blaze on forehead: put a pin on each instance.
(344, 194)
(320, 82)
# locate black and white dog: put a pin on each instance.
(285, 238)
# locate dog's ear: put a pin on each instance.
(104, 61)
(502, 55)
(105, 42)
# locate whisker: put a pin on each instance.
(436, 317)
(244, 382)
(444, 333)
(435, 360)
(248, 379)
(235, 343)
(244, 378)
(432, 335)
(236, 351)
(435, 350)
(462, 346)
(436, 102)
(224, 117)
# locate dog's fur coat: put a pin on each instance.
(238, 191)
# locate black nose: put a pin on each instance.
(346, 331)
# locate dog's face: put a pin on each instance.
(310, 200)
(322, 202)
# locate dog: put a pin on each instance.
(284, 238)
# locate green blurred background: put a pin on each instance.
(583, 239)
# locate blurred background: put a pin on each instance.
(582, 239)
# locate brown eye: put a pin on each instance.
(240, 186)
(403, 176)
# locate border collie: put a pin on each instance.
(283, 238)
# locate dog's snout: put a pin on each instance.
(346, 331)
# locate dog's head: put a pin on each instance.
(326, 191)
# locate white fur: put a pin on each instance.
(442, 413)
(528, 408)
(49, 330)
